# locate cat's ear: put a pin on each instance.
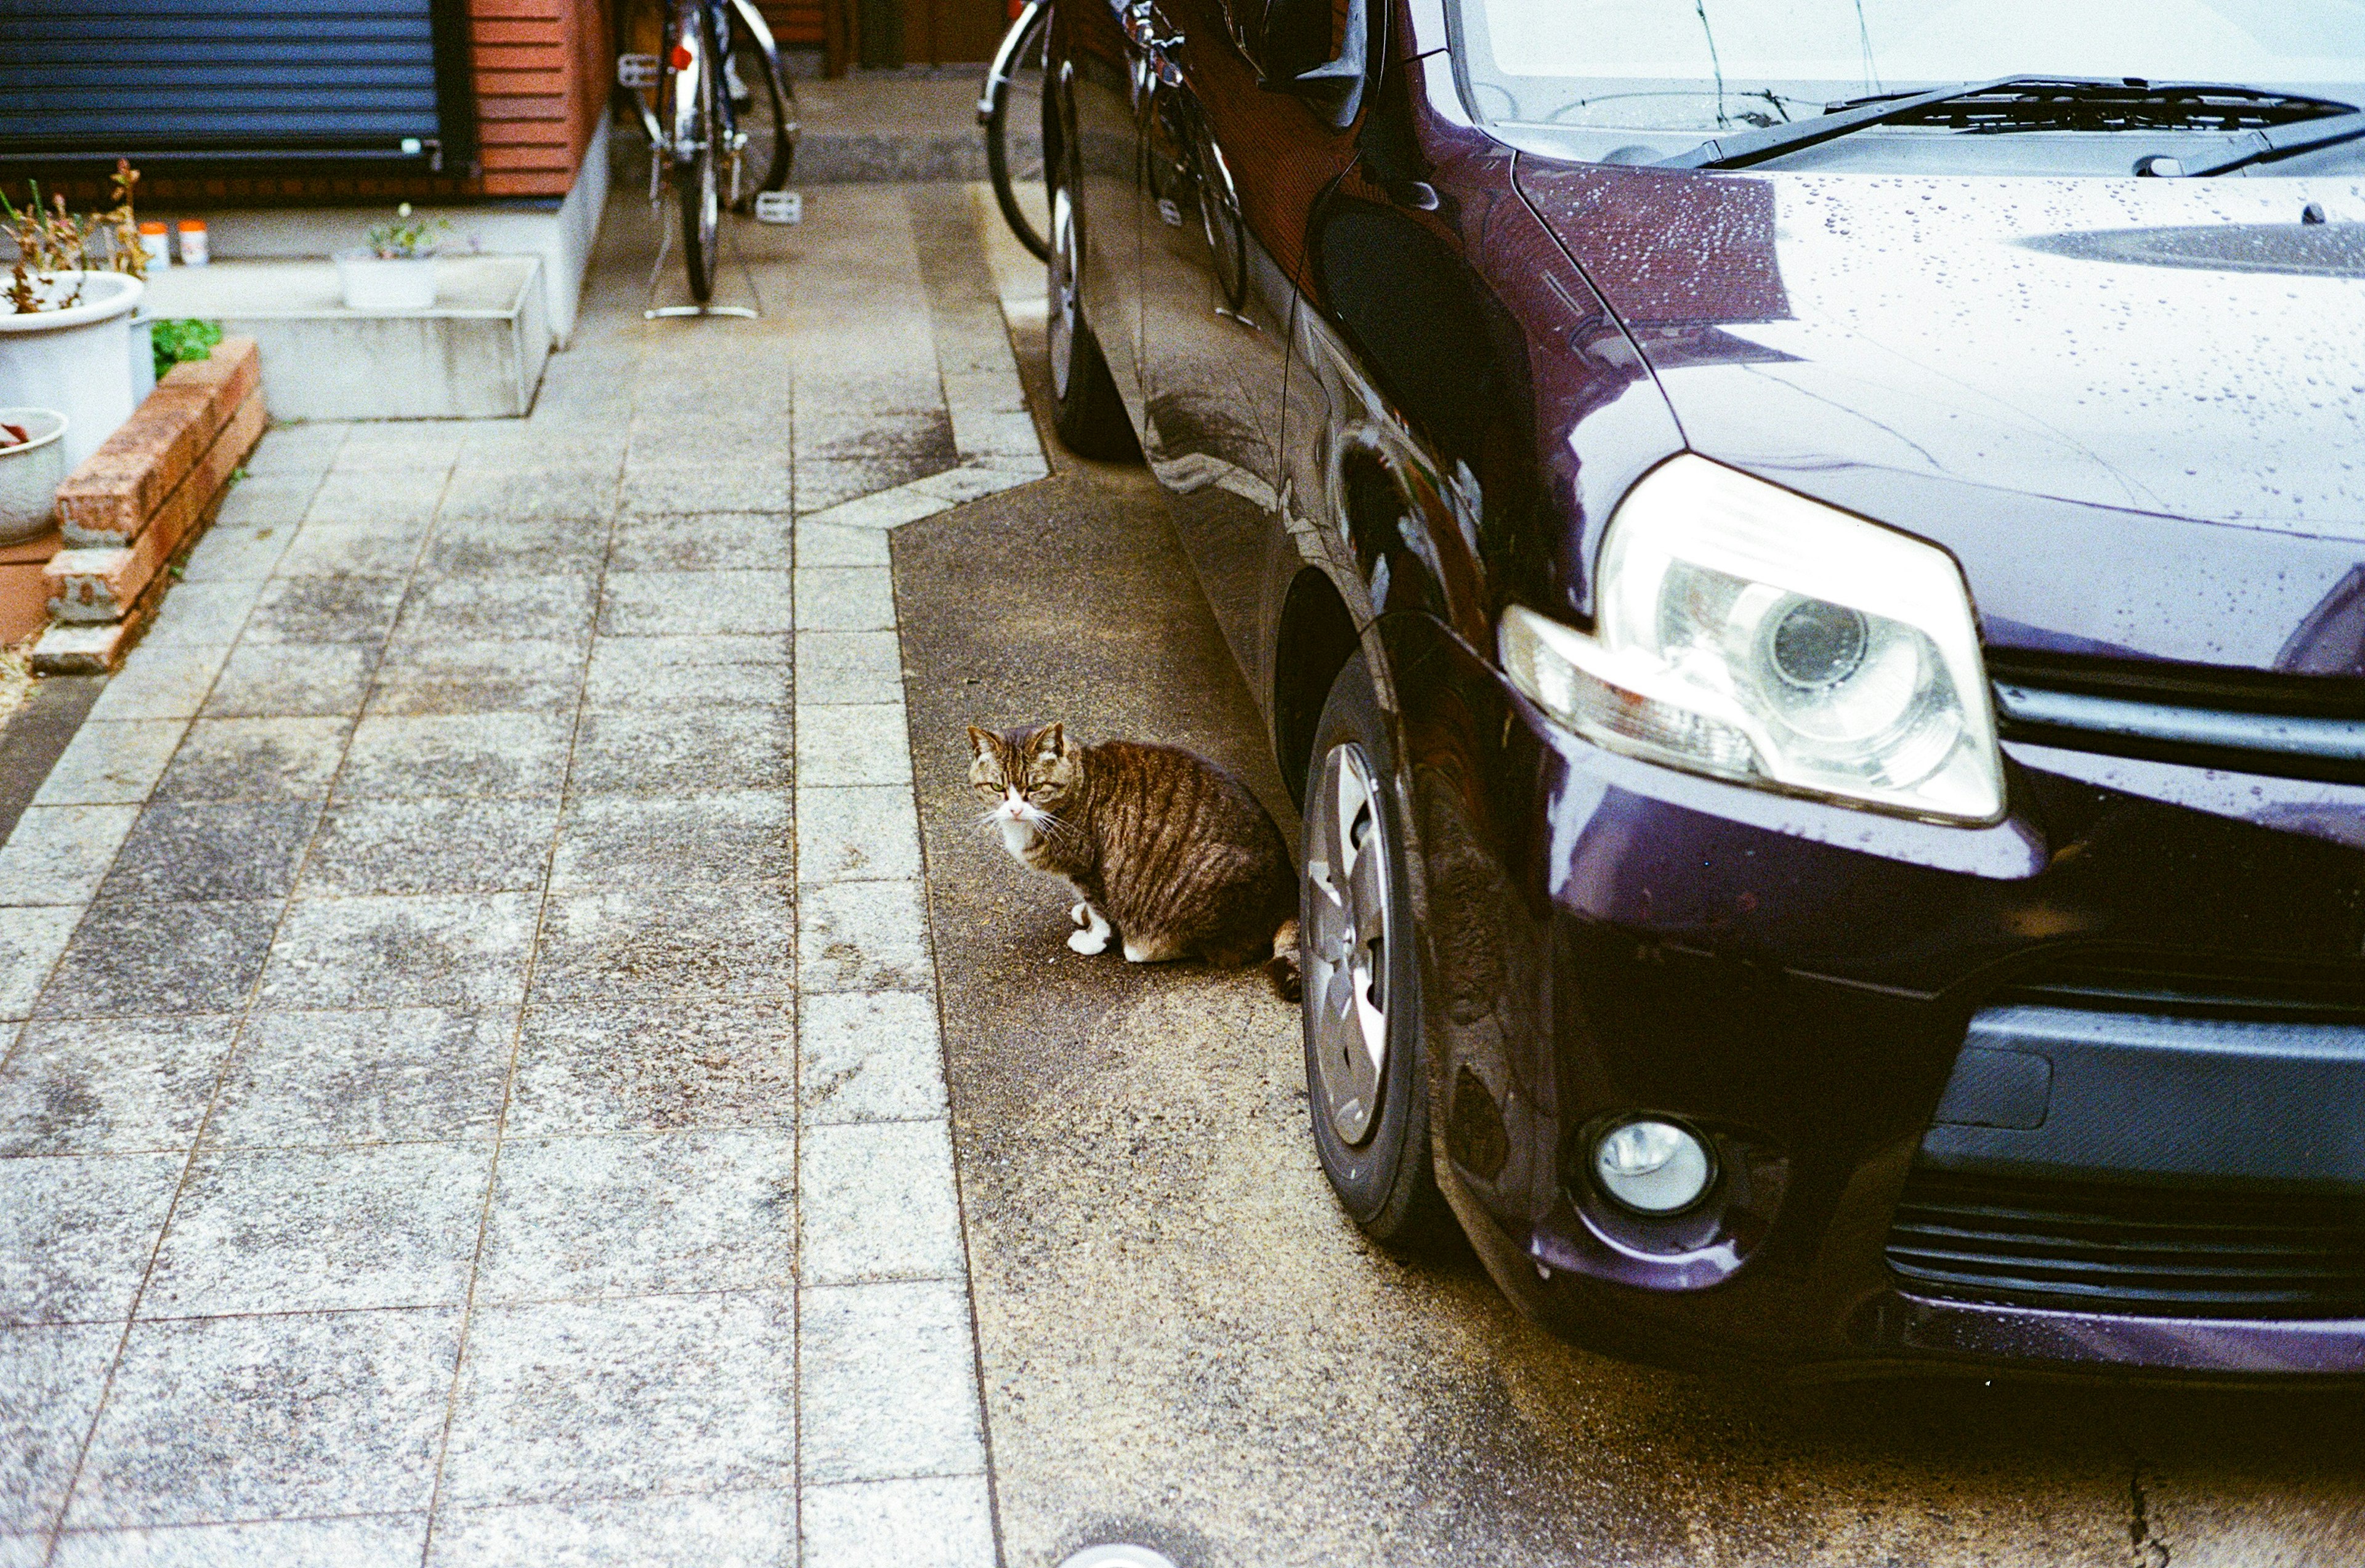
(1052, 743)
(979, 741)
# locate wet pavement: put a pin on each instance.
(518, 1053)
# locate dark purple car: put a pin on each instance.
(1805, 560)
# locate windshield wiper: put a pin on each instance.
(2258, 146)
(2019, 102)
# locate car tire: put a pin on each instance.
(1088, 414)
(1371, 1124)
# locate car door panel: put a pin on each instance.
(1099, 89)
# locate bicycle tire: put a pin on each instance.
(697, 179)
(1016, 97)
(771, 119)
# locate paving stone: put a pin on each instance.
(616, 1398)
(401, 952)
(681, 941)
(395, 757)
(862, 936)
(268, 500)
(237, 554)
(852, 668)
(309, 1080)
(76, 1233)
(610, 1067)
(869, 1059)
(642, 841)
(838, 545)
(430, 846)
(586, 495)
(397, 496)
(970, 483)
(203, 613)
(139, 960)
(51, 1379)
(882, 511)
(255, 759)
(845, 598)
(292, 680)
(642, 1214)
(326, 609)
(426, 447)
(763, 486)
(160, 681)
(58, 854)
(856, 833)
(240, 849)
(657, 603)
(482, 608)
(385, 1541)
(887, 1382)
(353, 550)
(224, 1419)
(523, 675)
(878, 1202)
(111, 1085)
(704, 541)
(320, 1231)
(670, 673)
(30, 942)
(645, 750)
(728, 1530)
(937, 1521)
(111, 764)
(470, 546)
(307, 448)
(849, 744)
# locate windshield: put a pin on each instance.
(1637, 78)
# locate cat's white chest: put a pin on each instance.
(1018, 837)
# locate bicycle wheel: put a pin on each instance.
(1014, 134)
(764, 109)
(697, 178)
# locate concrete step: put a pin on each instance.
(476, 354)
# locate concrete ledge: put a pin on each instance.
(476, 354)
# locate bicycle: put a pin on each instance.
(745, 113)
(1013, 99)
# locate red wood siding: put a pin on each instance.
(541, 83)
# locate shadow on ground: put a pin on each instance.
(1184, 1345)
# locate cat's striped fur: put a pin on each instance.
(1159, 842)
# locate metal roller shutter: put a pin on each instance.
(213, 79)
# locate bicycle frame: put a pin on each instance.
(685, 57)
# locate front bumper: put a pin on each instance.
(1799, 981)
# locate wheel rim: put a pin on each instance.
(1351, 907)
(1062, 325)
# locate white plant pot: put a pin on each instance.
(380, 283)
(77, 361)
(30, 474)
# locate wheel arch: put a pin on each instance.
(1318, 636)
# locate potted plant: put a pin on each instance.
(395, 268)
(32, 466)
(65, 316)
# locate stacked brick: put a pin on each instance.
(150, 489)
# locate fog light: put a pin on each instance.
(1652, 1167)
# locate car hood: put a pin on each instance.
(2135, 410)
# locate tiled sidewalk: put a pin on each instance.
(479, 1098)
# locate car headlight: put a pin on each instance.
(1753, 634)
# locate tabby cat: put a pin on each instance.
(1163, 848)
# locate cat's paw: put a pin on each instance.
(1089, 942)
(1082, 915)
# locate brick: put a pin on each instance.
(109, 501)
(99, 584)
(82, 650)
